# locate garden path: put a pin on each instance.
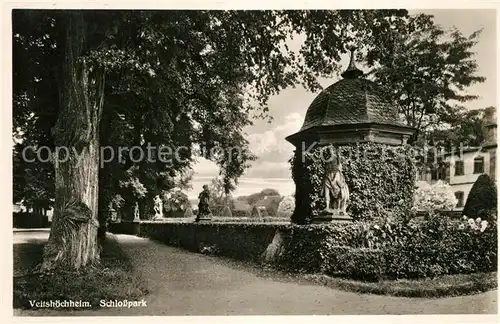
(185, 283)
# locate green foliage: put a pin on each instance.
(355, 263)
(380, 178)
(465, 128)
(255, 197)
(438, 246)
(175, 200)
(368, 251)
(482, 199)
(428, 68)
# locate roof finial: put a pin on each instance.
(352, 71)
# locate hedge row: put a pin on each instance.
(365, 251)
(250, 219)
(238, 241)
(29, 220)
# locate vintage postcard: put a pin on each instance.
(222, 161)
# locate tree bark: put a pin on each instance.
(73, 237)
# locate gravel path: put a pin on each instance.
(184, 283)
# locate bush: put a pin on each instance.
(438, 246)
(286, 207)
(433, 198)
(175, 201)
(367, 251)
(354, 263)
(482, 199)
(381, 178)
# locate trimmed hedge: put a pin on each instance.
(360, 250)
(238, 241)
(29, 220)
(482, 199)
(250, 220)
(354, 263)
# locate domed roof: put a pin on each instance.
(352, 100)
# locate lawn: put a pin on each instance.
(442, 286)
(113, 279)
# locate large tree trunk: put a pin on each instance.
(73, 237)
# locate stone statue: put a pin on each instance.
(203, 205)
(136, 212)
(158, 207)
(335, 189)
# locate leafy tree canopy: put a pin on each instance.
(179, 78)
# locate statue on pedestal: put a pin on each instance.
(203, 205)
(158, 207)
(335, 190)
(136, 212)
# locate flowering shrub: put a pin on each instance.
(432, 198)
(286, 207)
(439, 246)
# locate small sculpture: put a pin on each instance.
(158, 207)
(136, 212)
(335, 189)
(203, 205)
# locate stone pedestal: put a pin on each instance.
(331, 216)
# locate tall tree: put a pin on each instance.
(427, 69)
(174, 78)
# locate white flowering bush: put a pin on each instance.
(286, 206)
(477, 224)
(432, 198)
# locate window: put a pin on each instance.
(434, 174)
(460, 197)
(479, 165)
(438, 173)
(459, 168)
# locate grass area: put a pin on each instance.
(442, 286)
(113, 279)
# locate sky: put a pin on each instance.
(288, 108)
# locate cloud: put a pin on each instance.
(273, 140)
(204, 168)
(270, 170)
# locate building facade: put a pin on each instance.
(462, 168)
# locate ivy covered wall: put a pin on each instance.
(381, 180)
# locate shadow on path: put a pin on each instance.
(185, 283)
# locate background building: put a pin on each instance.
(461, 169)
